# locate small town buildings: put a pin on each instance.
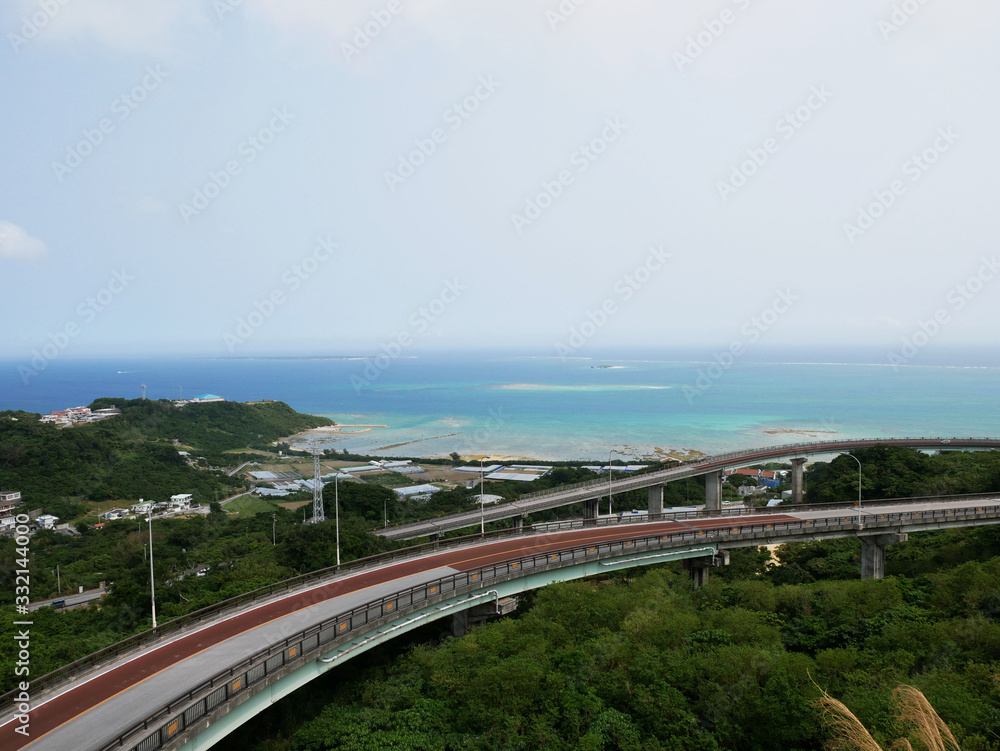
(47, 521)
(203, 399)
(9, 500)
(416, 492)
(75, 415)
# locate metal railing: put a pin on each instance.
(187, 709)
(576, 492)
(108, 654)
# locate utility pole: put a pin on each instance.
(152, 581)
(274, 521)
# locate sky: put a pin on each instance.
(245, 177)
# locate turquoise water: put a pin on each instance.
(547, 408)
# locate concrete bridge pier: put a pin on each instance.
(713, 492)
(518, 522)
(797, 465)
(590, 509)
(655, 499)
(477, 615)
(873, 553)
(698, 568)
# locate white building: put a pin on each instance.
(10, 495)
(416, 491)
(47, 521)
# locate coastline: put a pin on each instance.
(475, 447)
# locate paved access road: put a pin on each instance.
(100, 706)
(111, 700)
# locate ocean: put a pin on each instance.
(548, 408)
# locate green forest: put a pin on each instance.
(643, 660)
(133, 455)
(633, 660)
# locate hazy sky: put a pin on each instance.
(253, 176)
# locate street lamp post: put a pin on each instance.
(336, 509)
(152, 581)
(274, 522)
(482, 498)
(859, 487)
(610, 497)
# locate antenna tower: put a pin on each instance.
(144, 391)
(317, 491)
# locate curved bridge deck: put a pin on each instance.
(592, 489)
(190, 683)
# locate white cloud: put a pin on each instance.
(18, 245)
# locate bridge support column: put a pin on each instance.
(697, 568)
(518, 522)
(873, 553)
(655, 499)
(434, 537)
(590, 509)
(797, 465)
(477, 615)
(713, 492)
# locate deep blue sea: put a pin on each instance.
(547, 408)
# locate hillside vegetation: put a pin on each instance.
(133, 456)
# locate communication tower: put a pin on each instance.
(317, 491)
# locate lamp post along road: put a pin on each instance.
(482, 498)
(336, 510)
(610, 497)
(859, 487)
(152, 581)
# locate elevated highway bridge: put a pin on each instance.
(188, 683)
(712, 468)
